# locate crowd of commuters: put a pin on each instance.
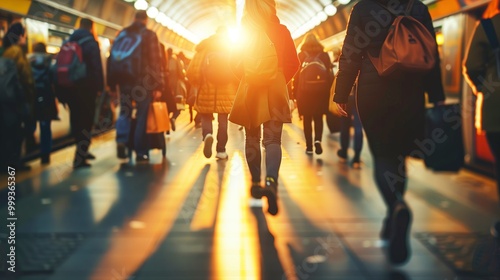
(220, 83)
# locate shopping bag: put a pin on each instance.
(443, 144)
(332, 106)
(158, 119)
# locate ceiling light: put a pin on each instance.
(322, 16)
(141, 5)
(152, 12)
(330, 10)
(344, 2)
(160, 17)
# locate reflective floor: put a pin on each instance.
(188, 217)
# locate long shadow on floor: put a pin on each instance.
(184, 253)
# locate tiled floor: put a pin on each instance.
(188, 217)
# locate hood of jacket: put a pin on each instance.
(80, 34)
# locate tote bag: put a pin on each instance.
(158, 119)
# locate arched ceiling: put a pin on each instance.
(202, 17)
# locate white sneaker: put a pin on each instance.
(221, 155)
(207, 149)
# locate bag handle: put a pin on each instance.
(491, 34)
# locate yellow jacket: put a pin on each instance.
(211, 98)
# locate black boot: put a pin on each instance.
(399, 247)
(271, 192)
(45, 158)
(256, 190)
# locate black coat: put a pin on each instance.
(309, 103)
(391, 108)
(94, 81)
(45, 103)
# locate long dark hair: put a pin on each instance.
(13, 35)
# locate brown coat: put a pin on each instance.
(211, 98)
(256, 105)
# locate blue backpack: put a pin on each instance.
(125, 57)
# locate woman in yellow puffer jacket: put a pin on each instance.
(210, 73)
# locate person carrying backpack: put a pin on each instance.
(262, 103)
(81, 94)
(391, 107)
(134, 68)
(17, 94)
(45, 102)
(210, 72)
(311, 88)
(482, 61)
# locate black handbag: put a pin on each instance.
(443, 144)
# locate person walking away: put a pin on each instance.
(80, 95)
(17, 110)
(391, 109)
(210, 72)
(478, 67)
(353, 120)
(133, 69)
(264, 107)
(45, 102)
(312, 89)
(176, 81)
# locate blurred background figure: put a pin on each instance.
(45, 101)
(478, 67)
(176, 81)
(210, 72)
(312, 89)
(16, 116)
(352, 120)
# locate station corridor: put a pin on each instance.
(188, 217)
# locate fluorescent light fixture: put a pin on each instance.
(141, 5)
(322, 16)
(160, 17)
(344, 2)
(152, 12)
(330, 10)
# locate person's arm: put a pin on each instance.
(350, 59)
(433, 82)
(154, 75)
(291, 62)
(96, 65)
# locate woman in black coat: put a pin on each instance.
(312, 101)
(391, 108)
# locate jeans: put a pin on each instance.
(345, 125)
(206, 128)
(45, 137)
(272, 144)
(142, 98)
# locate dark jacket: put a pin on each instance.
(309, 103)
(151, 77)
(43, 75)
(94, 81)
(391, 108)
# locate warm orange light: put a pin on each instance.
(479, 117)
(236, 242)
(439, 38)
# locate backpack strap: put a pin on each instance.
(408, 7)
(491, 34)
